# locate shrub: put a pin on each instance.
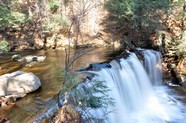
(3, 46)
(9, 18)
(53, 6)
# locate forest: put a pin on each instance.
(76, 27)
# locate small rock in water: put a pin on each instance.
(28, 59)
(16, 57)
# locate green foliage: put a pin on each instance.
(96, 97)
(53, 5)
(178, 2)
(9, 18)
(180, 7)
(5, 15)
(56, 22)
(181, 54)
(19, 18)
(70, 81)
(121, 8)
(137, 11)
(3, 46)
(87, 95)
(93, 95)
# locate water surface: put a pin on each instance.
(50, 74)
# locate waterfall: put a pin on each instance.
(153, 65)
(136, 98)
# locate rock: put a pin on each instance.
(18, 83)
(28, 59)
(183, 84)
(96, 66)
(16, 57)
(40, 58)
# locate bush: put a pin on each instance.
(53, 6)
(137, 11)
(3, 46)
(9, 18)
(57, 22)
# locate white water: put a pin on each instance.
(153, 66)
(137, 101)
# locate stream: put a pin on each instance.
(50, 74)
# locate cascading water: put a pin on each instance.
(153, 65)
(136, 100)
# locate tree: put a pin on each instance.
(10, 16)
(140, 17)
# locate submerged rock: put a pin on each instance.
(18, 83)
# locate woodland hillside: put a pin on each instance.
(51, 24)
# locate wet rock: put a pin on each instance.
(183, 84)
(18, 83)
(28, 59)
(96, 67)
(16, 57)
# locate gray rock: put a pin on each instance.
(16, 57)
(28, 59)
(18, 83)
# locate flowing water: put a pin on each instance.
(136, 87)
(138, 92)
(50, 74)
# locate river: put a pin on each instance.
(50, 74)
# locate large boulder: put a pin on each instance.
(18, 83)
